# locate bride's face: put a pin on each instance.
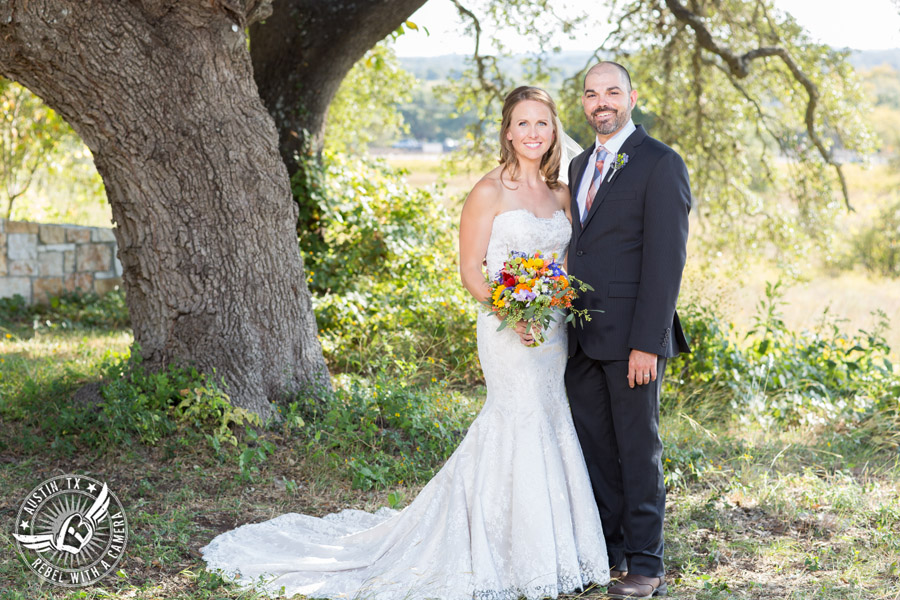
(530, 129)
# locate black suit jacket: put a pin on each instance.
(631, 250)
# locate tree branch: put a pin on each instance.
(480, 61)
(302, 52)
(763, 118)
(739, 65)
(490, 79)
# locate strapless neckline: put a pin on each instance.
(525, 210)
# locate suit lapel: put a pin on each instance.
(629, 147)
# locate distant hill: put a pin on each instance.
(430, 117)
(866, 59)
(437, 68)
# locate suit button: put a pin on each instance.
(580, 253)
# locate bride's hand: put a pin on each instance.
(526, 335)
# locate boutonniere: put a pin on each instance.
(621, 161)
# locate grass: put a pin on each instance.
(797, 514)
(425, 171)
(754, 511)
(176, 499)
(853, 296)
(801, 513)
(56, 361)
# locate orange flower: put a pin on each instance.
(523, 286)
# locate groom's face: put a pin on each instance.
(608, 101)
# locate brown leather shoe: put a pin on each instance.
(616, 575)
(634, 587)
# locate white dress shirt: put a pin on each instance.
(612, 146)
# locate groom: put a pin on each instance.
(630, 204)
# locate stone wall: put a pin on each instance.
(39, 261)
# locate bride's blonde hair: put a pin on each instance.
(550, 160)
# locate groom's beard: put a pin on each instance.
(611, 125)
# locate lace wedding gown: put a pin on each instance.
(510, 514)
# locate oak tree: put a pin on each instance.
(163, 93)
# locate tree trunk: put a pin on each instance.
(162, 92)
(303, 52)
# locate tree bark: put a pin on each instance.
(303, 52)
(162, 92)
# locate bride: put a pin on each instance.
(511, 513)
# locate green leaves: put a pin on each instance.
(877, 245)
(69, 310)
(778, 377)
(731, 130)
(30, 135)
(403, 27)
(365, 108)
(383, 272)
(385, 431)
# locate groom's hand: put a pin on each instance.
(641, 368)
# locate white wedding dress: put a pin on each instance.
(510, 514)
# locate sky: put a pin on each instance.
(860, 24)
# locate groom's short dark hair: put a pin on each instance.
(621, 69)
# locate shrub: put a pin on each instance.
(382, 268)
(877, 245)
(130, 404)
(153, 405)
(778, 376)
(69, 310)
(387, 432)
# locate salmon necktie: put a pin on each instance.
(602, 153)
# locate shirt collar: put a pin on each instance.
(615, 142)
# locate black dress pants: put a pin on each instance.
(618, 428)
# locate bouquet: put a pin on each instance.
(533, 288)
